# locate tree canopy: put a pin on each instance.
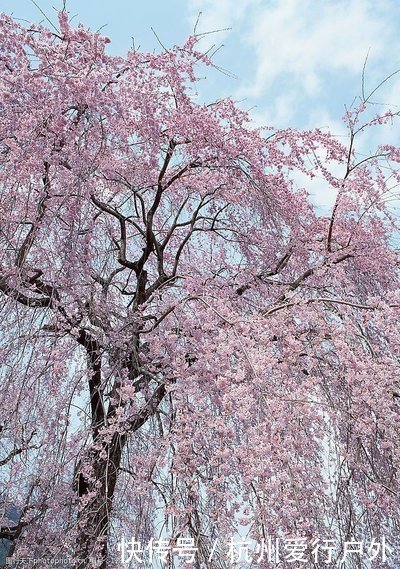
(189, 348)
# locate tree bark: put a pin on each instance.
(94, 516)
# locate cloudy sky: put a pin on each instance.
(294, 63)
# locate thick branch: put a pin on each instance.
(93, 350)
(12, 292)
(150, 408)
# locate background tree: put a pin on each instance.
(188, 347)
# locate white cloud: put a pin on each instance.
(301, 61)
(299, 40)
(305, 38)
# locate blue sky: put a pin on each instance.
(294, 63)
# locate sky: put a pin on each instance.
(291, 63)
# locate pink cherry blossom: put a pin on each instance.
(188, 348)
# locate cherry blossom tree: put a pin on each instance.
(189, 347)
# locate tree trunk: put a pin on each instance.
(97, 486)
